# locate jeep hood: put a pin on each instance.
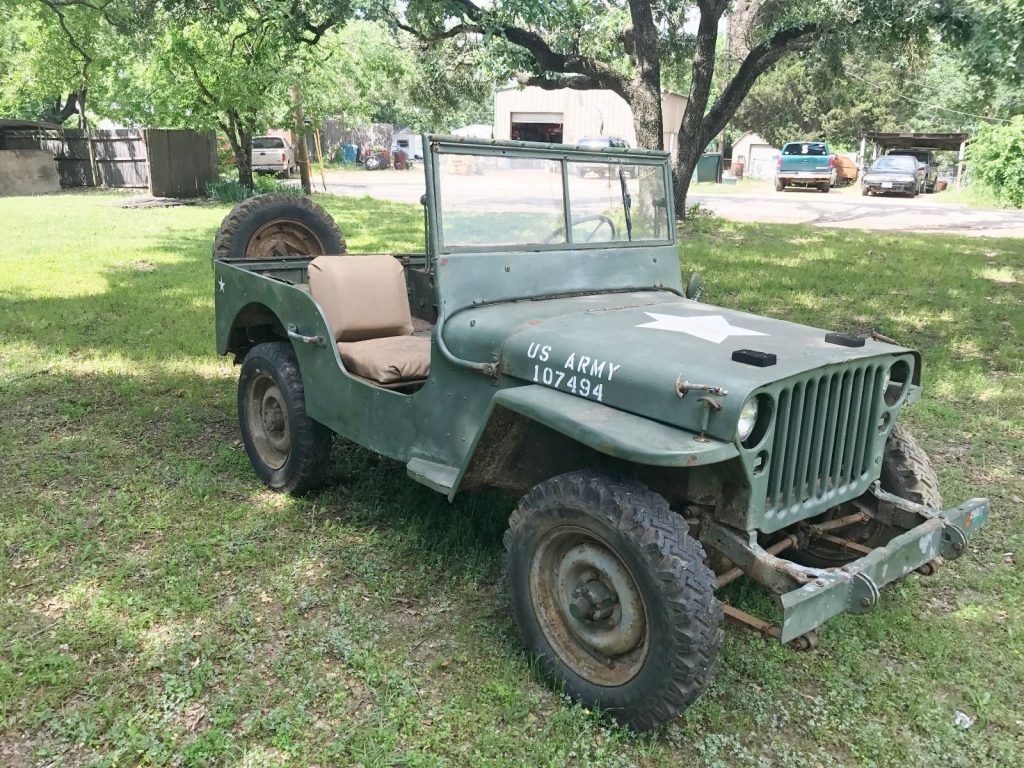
(630, 350)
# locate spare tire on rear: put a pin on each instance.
(277, 226)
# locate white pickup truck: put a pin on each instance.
(273, 154)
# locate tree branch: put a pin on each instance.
(761, 58)
(547, 59)
(555, 82)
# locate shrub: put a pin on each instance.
(997, 161)
(230, 191)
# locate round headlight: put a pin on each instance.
(748, 418)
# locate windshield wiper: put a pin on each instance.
(627, 203)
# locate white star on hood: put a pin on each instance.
(708, 327)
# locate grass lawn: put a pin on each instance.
(158, 606)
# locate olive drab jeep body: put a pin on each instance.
(544, 343)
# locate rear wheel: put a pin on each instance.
(826, 187)
(288, 450)
(277, 226)
(906, 472)
(612, 596)
(779, 185)
(865, 191)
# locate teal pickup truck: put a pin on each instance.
(806, 164)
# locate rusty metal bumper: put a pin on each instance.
(854, 588)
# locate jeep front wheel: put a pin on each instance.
(612, 596)
(288, 450)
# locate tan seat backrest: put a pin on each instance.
(364, 297)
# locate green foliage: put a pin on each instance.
(997, 161)
(227, 190)
(989, 33)
(924, 89)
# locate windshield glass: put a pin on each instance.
(895, 163)
(488, 200)
(616, 203)
(804, 148)
(267, 142)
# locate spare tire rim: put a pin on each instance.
(283, 238)
(267, 416)
(589, 606)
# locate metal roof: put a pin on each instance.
(21, 125)
(908, 140)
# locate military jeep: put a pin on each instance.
(545, 344)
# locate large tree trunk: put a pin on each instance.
(240, 138)
(692, 137)
(647, 117)
(244, 158)
(645, 90)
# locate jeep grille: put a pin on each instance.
(824, 435)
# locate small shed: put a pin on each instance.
(410, 142)
(566, 115)
(758, 157)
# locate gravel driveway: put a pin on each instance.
(842, 208)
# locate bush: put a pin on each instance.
(230, 191)
(997, 161)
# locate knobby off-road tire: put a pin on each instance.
(288, 450)
(277, 226)
(906, 472)
(582, 533)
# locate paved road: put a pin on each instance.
(848, 209)
(843, 208)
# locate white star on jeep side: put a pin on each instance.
(708, 327)
(221, 284)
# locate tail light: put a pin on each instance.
(284, 157)
(779, 163)
(831, 161)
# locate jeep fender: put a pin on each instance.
(599, 428)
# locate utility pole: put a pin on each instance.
(299, 135)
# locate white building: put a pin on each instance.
(410, 142)
(567, 115)
(759, 158)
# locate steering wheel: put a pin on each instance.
(601, 220)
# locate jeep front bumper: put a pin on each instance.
(811, 596)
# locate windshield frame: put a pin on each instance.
(564, 154)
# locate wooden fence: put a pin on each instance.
(168, 163)
(181, 163)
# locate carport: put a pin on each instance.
(943, 142)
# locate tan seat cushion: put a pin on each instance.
(397, 358)
(364, 297)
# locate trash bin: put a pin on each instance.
(350, 153)
(707, 168)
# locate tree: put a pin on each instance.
(227, 66)
(814, 96)
(568, 47)
(56, 52)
